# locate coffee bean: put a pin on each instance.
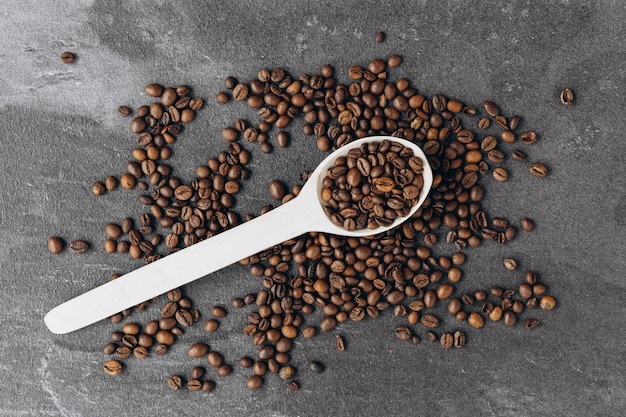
(531, 323)
(218, 312)
(459, 339)
(500, 174)
(207, 386)
(380, 37)
(215, 359)
(55, 245)
(547, 302)
(198, 350)
(567, 97)
(403, 333)
(98, 188)
(316, 367)
(491, 108)
(112, 367)
(394, 61)
(446, 340)
(509, 318)
(67, 57)
(527, 224)
(538, 170)
(175, 382)
(277, 190)
(254, 382)
(476, 320)
(528, 138)
(430, 321)
(211, 325)
(224, 370)
(510, 264)
(484, 123)
(518, 155)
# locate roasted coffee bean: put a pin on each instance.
(538, 170)
(547, 302)
(175, 382)
(459, 339)
(446, 340)
(112, 367)
(528, 138)
(403, 333)
(215, 359)
(491, 108)
(67, 57)
(198, 350)
(380, 37)
(567, 97)
(316, 367)
(430, 321)
(254, 382)
(476, 320)
(527, 224)
(531, 323)
(510, 264)
(55, 245)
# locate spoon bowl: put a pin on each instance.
(304, 213)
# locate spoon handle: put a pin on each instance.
(283, 223)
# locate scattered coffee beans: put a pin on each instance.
(348, 279)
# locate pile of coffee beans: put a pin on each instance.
(372, 185)
(346, 279)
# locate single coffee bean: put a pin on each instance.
(175, 382)
(286, 372)
(316, 367)
(215, 359)
(491, 108)
(403, 333)
(567, 97)
(510, 264)
(380, 37)
(547, 302)
(527, 224)
(459, 339)
(277, 190)
(112, 367)
(509, 318)
(109, 348)
(507, 136)
(67, 57)
(211, 325)
(538, 170)
(98, 188)
(254, 382)
(528, 138)
(198, 350)
(208, 386)
(308, 332)
(446, 340)
(476, 320)
(500, 174)
(293, 385)
(55, 245)
(430, 321)
(531, 323)
(218, 311)
(224, 370)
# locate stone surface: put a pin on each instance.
(59, 132)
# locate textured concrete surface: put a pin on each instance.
(59, 132)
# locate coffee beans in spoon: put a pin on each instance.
(373, 185)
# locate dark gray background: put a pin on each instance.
(59, 132)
